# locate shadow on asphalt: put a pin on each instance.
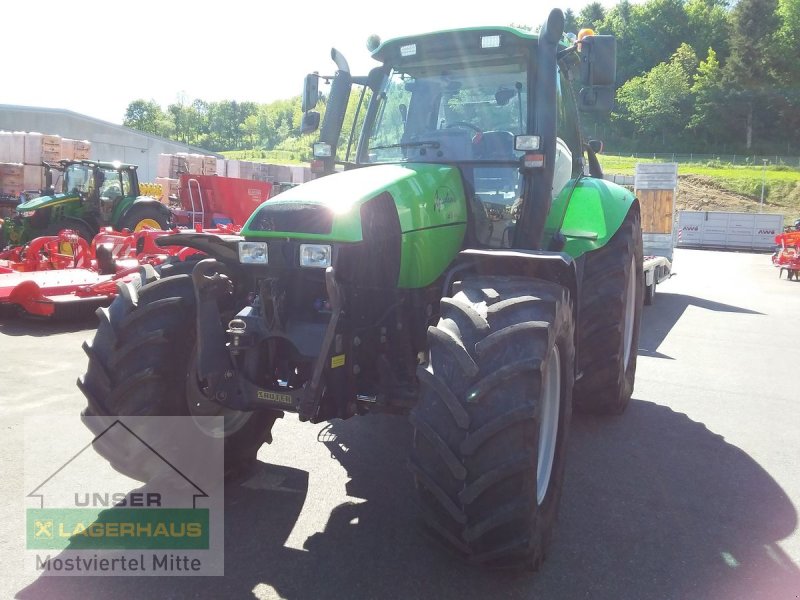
(655, 506)
(18, 325)
(658, 320)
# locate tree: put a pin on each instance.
(570, 22)
(659, 102)
(647, 34)
(709, 26)
(708, 90)
(145, 115)
(591, 15)
(749, 72)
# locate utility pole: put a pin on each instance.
(763, 182)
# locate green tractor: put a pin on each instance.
(96, 194)
(468, 267)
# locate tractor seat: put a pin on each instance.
(495, 145)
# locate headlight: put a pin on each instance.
(253, 253)
(315, 255)
(28, 213)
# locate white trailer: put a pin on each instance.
(655, 185)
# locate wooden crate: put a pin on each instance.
(656, 207)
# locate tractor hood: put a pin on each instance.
(329, 208)
(46, 202)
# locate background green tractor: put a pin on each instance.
(96, 194)
(469, 268)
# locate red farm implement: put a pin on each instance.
(54, 275)
(209, 200)
(787, 256)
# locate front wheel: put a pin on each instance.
(610, 314)
(140, 363)
(491, 424)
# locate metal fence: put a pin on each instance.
(734, 159)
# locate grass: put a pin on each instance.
(782, 188)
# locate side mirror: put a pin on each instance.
(596, 146)
(599, 99)
(310, 122)
(598, 60)
(310, 92)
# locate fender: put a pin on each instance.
(586, 215)
(557, 267)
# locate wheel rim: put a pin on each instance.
(200, 406)
(151, 223)
(630, 314)
(548, 423)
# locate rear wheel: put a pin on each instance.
(140, 363)
(491, 424)
(142, 216)
(609, 317)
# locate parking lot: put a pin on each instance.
(692, 493)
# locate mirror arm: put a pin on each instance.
(567, 51)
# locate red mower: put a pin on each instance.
(787, 256)
(55, 275)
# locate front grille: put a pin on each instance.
(295, 217)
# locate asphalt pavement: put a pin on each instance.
(691, 494)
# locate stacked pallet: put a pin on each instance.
(75, 149)
(243, 169)
(12, 177)
(169, 187)
(173, 165)
(22, 155)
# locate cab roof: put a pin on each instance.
(465, 41)
(99, 163)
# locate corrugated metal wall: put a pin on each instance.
(739, 231)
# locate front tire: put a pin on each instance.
(79, 226)
(610, 314)
(140, 363)
(491, 425)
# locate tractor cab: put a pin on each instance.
(478, 100)
(100, 185)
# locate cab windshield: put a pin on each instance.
(467, 115)
(460, 113)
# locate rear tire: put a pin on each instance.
(610, 314)
(491, 424)
(140, 364)
(143, 215)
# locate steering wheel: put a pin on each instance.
(475, 128)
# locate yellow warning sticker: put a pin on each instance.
(337, 361)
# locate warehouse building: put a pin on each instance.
(109, 141)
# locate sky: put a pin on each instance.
(96, 57)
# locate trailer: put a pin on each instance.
(211, 200)
(655, 185)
